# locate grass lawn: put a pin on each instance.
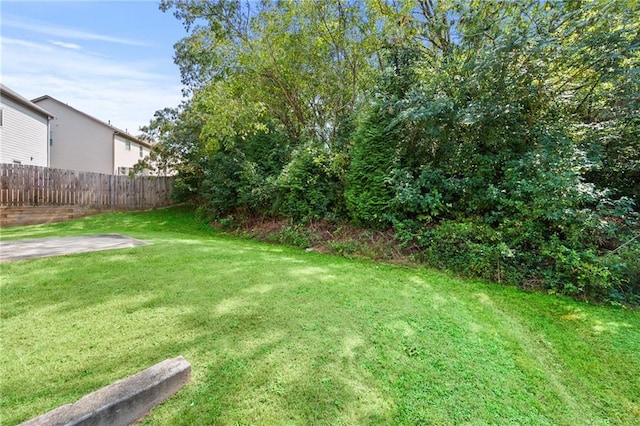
(281, 336)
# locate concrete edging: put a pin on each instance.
(122, 402)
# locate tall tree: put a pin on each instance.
(304, 64)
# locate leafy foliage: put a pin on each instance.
(279, 60)
(499, 138)
(367, 193)
(310, 186)
(242, 176)
(178, 149)
(490, 162)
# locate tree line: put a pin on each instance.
(502, 139)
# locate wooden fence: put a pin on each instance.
(41, 186)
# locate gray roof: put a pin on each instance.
(5, 92)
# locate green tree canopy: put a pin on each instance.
(500, 138)
(305, 65)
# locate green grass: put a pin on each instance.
(281, 336)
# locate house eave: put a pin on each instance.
(5, 92)
(115, 130)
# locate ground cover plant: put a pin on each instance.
(278, 335)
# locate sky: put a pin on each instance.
(112, 60)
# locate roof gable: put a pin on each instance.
(116, 130)
(5, 92)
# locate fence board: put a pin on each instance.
(22, 186)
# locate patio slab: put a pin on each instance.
(46, 247)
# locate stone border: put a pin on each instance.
(123, 402)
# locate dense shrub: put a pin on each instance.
(221, 182)
(241, 176)
(470, 247)
(367, 192)
(624, 264)
(500, 141)
(311, 185)
(547, 229)
(503, 159)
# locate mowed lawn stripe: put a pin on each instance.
(280, 336)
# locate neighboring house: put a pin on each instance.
(24, 130)
(84, 143)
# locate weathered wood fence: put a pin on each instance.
(22, 185)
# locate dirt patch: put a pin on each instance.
(324, 237)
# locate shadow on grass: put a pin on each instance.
(282, 336)
(179, 219)
(271, 373)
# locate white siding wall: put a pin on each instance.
(127, 154)
(23, 135)
(79, 143)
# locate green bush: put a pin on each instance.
(468, 247)
(221, 182)
(241, 176)
(625, 266)
(310, 185)
(184, 189)
(367, 192)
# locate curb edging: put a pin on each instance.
(124, 401)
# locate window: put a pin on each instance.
(17, 162)
(127, 145)
(141, 153)
(1, 116)
(50, 137)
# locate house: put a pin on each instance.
(84, 143)
(24, 130)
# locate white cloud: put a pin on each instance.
(125, 92)
(62, 32)
(10, 42)
(66, 45)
